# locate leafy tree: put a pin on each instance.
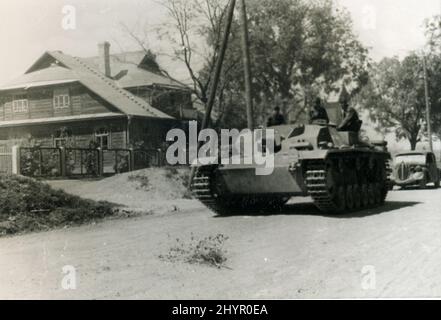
(433, 53)
(299, 49)
(395, 97)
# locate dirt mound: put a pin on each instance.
(29, 205)
(156, 189)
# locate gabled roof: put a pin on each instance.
(132, 69)
(75, 69)
(82, 117)
(54, 74)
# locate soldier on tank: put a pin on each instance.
(351, 120)
(277, 119)
(318, 114)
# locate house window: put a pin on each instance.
(61, 99)
(61, 137)
(20, 104)
(102, 137)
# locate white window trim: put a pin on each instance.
(20, 105)
(101, 135)
(64, 99)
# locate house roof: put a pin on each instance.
(54, 74)
(76, 69)
(131, 69)
(13, 123)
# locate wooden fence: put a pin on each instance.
(79, 162)
(5, 160)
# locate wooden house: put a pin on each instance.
(115, 101)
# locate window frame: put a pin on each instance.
(61, 99)
(20, 104)
(60, 141)
(102, 133)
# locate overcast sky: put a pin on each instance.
(30, 27)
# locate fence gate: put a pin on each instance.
(5, 159)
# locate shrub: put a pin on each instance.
(208, 251)
(29, 205)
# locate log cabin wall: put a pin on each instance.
(80, 133)
(41, 103)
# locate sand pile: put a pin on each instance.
(146, 190)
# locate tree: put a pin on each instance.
(195, 34)
(433, 53)
(395, 98)
(299, 49)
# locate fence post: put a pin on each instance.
(131, 159)
(63, 169)
(16, 160)
(100, 161)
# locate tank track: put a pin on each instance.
(324, 200)
(317, 188)
(202, 190)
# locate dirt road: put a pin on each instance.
(297, 253)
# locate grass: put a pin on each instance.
(207, 251)
(28, 205)
(142, 180)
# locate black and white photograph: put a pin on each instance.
(220, 150)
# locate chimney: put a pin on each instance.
(104, 58)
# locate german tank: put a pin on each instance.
(337, 170)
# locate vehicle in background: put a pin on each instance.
(416, 169)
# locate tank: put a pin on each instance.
(337, 170)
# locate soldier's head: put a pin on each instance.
(276, 110)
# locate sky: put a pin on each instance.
(28, 27)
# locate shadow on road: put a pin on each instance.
(308, 209)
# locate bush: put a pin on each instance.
(29, 205)
(208, 251)
(31, 165)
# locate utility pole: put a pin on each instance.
(246, 64)
(428, 107)
(217, 74)
(219, 63)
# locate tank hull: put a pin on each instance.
(338, 178)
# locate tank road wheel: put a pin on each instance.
(321, 182)
(357, 196)
(364, 196)
(349, 198)
(204, 189)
